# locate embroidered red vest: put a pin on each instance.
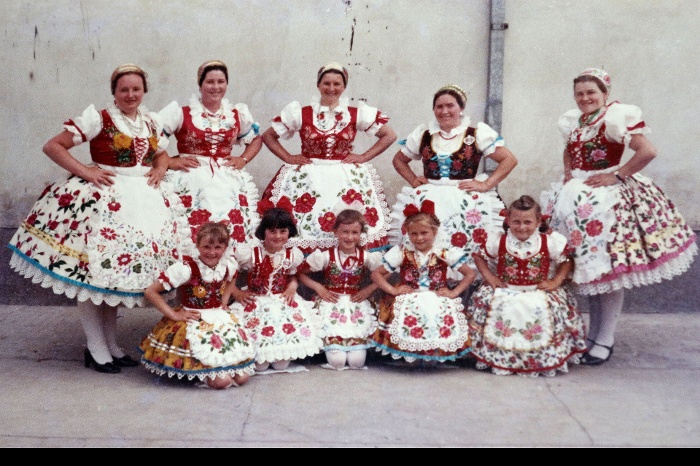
(317, 144)
(113, 148)
(463, 164)
(261, 272)
(341, 280)
(207, 143)
(523, 272)
(197, 293)
(436, 269)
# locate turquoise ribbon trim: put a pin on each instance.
(422, 357)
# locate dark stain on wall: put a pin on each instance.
(36, 37)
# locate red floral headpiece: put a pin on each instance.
(428, 207)
(283, 203)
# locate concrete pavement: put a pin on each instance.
(646, 396)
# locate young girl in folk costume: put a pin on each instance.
(626, 232)
(200, 338)
(341, 300)
(422, 319)
(281, 324)
(522, 319)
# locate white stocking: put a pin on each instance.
(356, 359)
(109, 322)
(280, 365)
(594, 314)
(91, 319)
(336, 359)
(611, 309)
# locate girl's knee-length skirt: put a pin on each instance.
(525, 331)
(280, 331)
(346, 325)
(215, 346)
(422, 326)
(625, 236)
(103, 244)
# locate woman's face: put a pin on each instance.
(331, 87)
(211, 251)
(214, 86)
(523, 223)
(422, 236)
(276, 239)
(128, 93)
(589, 97)
(447, 112)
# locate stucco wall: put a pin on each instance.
(57, 55)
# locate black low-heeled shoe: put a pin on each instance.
(589, 360)
(125, 361)
(108, 368)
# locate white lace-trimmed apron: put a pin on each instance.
(218, 340)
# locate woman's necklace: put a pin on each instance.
(136, 129)
(586, 121)
(214, 118)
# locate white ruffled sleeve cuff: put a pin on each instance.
(370, 119)
(411, 145)
(176, 275)
(622, 121)
(568, 122)
(393, 258)
(556, 243)
(318, 260)
(250, 129)
(171, 118)
(85, 127)
(487, 139)
(289, 121)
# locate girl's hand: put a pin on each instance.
(183, 163)
(235, 162)
(98, 176)
(185, 315)
(496, 283)
(548, 285)
(327, 295)
(600, 180)
(403, 289)
(299, 160)
(243, 297)
(355, 158)
(155, 176)
(419, 181)
(445, 292)
(361, 295)
(289, 294)
(474, 186)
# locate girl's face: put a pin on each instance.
(211, 251)
(331, 87)
(214, 86)
(447, 112)
(276, 239)
(523, 223)
(422, 236)
(128, 93)
(348, 235)
(589, 97)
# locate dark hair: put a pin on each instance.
(349, 216)
(339, 73)
(592, 79)
(216, 231)
(118, 76)
(209, 68)
(459, 97)
(276, 218)
(525, 203)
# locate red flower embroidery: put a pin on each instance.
(235, 217)
(252, 323)
(242, 200)
(371, 216)
(97, 196)
(449, 321)
(305, 204)
(53, 224)
(32, 219)
(124, 259)
(155, 247)
(268, 331)
(327, 221)
(186, 201)
(216, 341)
(459, 239)
(288, 329)
(242, 334)
(298, 318)
(351, 196)
(445, 332)
(479, 236)
(594, 228)
(417, 332)
(74, 225)
(114, 206)
(65, 200)
(250, 307)
(178, 364)
(410, 321)
(238, 234)
(199, 217)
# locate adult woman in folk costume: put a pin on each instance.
(327, 174)
(102, 235)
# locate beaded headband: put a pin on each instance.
(454, 88)
(207, 64)
(599, 74)
(125, 69)
(333, 66)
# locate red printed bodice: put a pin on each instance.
(113, 148)
(436, 269)
(344, 278)
(523, 272)
(205, 142)
(197, 293)
(263, 278)
(333, 144)
(461, 165)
